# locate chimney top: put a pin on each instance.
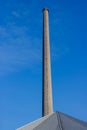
(45, 9)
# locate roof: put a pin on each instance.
(56, 121)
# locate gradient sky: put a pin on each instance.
(21, 59)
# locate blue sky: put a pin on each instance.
(21, 59)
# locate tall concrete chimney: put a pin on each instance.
(47, 106)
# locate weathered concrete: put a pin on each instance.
(47, 107)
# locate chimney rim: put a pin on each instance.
(45, 9)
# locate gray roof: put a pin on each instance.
(56, 121)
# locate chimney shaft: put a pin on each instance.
(47, 106)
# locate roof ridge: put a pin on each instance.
(59, 121)
(83, 123)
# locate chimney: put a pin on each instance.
(47, 106)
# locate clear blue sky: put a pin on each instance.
(21, 59)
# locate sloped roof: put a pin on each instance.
(56, 121)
